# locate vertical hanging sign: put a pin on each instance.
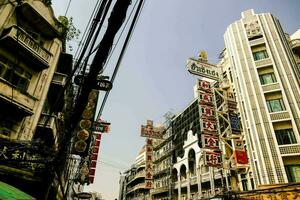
(150, 132)
(210, 139)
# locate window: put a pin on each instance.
(275, 105)
(14, 74)
(293, 173)
(285, 136)
(259, 55)
(267, 78)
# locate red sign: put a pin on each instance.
(93, 164)
(240, 157)
(212, 159)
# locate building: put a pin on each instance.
(261, 62)
(163, 153)
(33, 71)
(135, 184)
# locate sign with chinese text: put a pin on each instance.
(212, 159)
(208, 112)
(149, 162)
(204, 86)
(30, 156)
(203, 69)
(205, 98)
(150, 131)
(210, 141)
(208, 126)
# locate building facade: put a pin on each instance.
(33, 71)
(163, 152)
(134, 184)
(260, 63)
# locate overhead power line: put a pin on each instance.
(135, 18)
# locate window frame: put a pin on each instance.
(271, 108)
(263, 80)
(284, 135)
(256, 54)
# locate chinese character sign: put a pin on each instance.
(150, 131)
(149, 162)
(210, 141)
(212, 159)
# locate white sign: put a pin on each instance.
(202, 69)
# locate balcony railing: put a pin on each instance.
(295, 43)
(279, 116)
(49, 122)
(59, 79)
(263, 62)
(257, 42)
(21, 100)
(291, 149)
(271, 87)
(137, 175)
(31, 50)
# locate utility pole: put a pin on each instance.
(115, 21)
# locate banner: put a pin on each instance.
(241, 157)
(234, 123)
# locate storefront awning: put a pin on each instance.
(8, 192)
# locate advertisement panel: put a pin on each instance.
(234, 123)
(83, 133)
(205, 98)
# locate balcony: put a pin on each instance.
(257, 42)
(263, 62)
(271, 87)
(291, 149)
(49, 122)
(59, 79)
(278, 116)
(140, 174)
(193, 180)
(40, 17)
(22, 101)
(159, 190)
(295, 45)
(138, 186)
(17, 40)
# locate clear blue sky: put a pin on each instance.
(153, 78)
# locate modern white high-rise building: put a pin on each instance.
(259, 60)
